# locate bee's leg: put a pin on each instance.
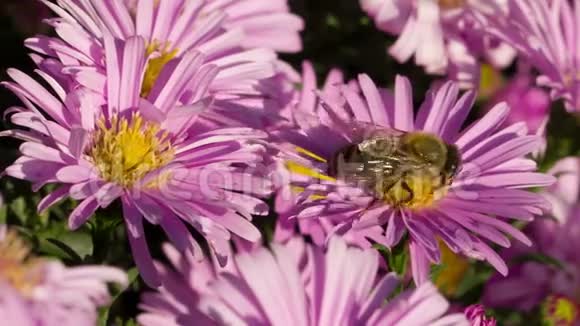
(386, 185)
(443, 181)
(409, 190)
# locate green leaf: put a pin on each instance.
(131, 322)
(132, 275)
(3, 214)
(18, 208)
(539, 258)
(474, 277)
(562, 135)
(332, 21)
(59, 242)
(397, 257)
(104, 313)
(61, 250)
(436, 270)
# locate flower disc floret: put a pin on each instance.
(124, 150)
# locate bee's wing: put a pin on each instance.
(365, 130)
(393, 166)
(369, 171)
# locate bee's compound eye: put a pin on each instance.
(428, 147)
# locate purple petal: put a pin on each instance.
(74, 174)
(419, 263)
(82, 212)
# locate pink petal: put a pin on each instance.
(419, 263)
(52, 198)
(403, 110)
(373, 98)
(82, 212)
(75, 174)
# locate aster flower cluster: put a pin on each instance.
(298, 284)
(443, 35)
(545, 33)
(175, 140)
(36, 291)
(556, 238)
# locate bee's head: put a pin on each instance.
(426, 148)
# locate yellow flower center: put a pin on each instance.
(125, 150)
(451, 4)
(570, 76)
(490, 81)
(16, 269)
(559, 310)
(161, 56)
(453, 270)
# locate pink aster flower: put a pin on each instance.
(293, 284)
(35, 291)
(529, 104)
(305, 100)
(268, 111)
(366, 160)
(171, 29)
(441, 34)
(546, 33)
(565, 193)
(266, 24)
(531, 282)
(476, 316)
(142, 152)
(560, 310)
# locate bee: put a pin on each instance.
(410, 169)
